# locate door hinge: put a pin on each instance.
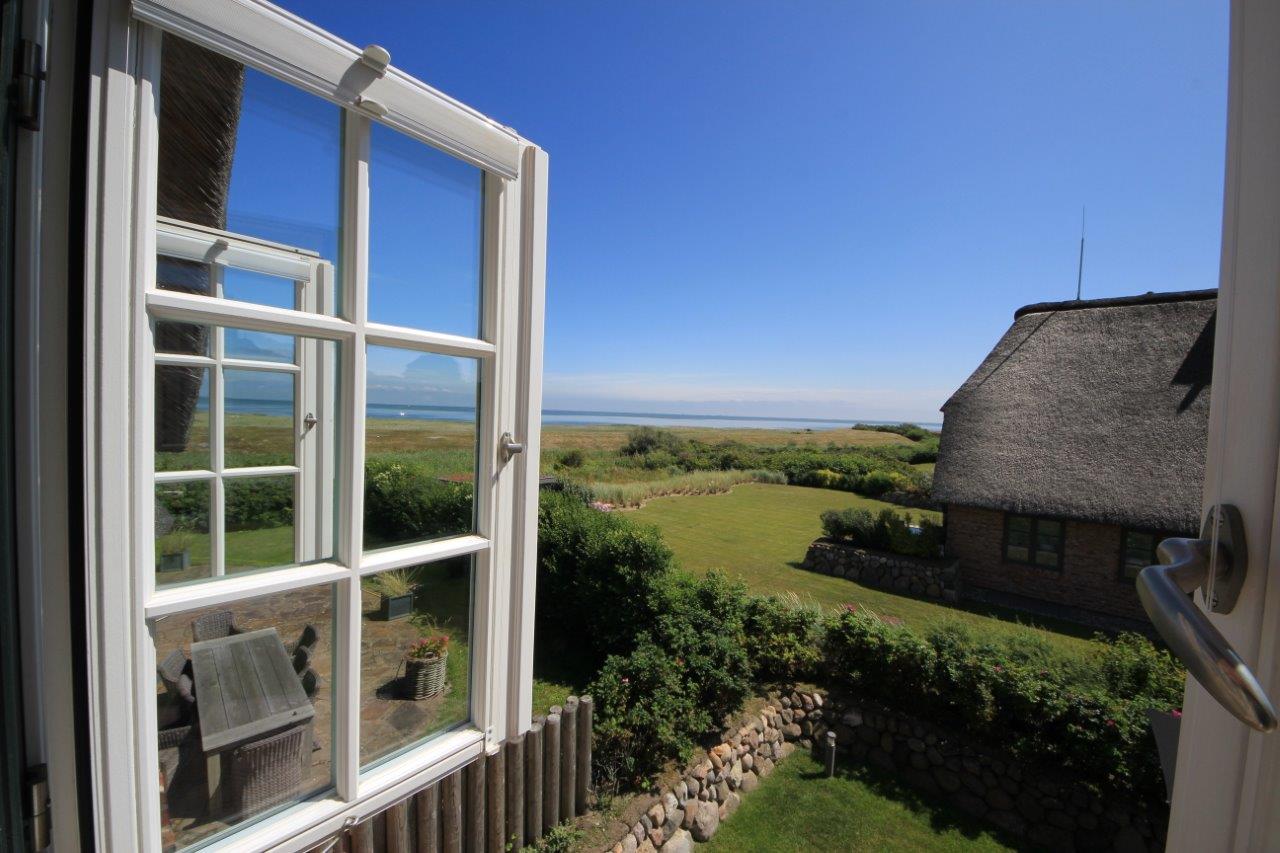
(29, 83)
(38, 807)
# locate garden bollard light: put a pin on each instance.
(830, 755)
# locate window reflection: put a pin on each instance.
(421, 446)
(244, 711)
(415, 659)
(425, 226)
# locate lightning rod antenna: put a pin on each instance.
(1080, 266)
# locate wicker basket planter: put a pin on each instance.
(425, 677)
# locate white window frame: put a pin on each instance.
(122, 302)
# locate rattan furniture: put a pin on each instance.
(264, 773)
(212, 626)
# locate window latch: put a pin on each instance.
(310, 421)
(509, 447)
(29, 82)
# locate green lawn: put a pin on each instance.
(759, 534)
(798, 809)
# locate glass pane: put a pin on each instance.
(263, 289)
(415, 664)
(421, 445)
(184, 276)
(182, 531)
(181, 338)
(1019, 553)
(1020, 524)
(244, 711)
(182, 418)
(425, 228)
(259, 522)
(258, 346)
(1047, 558)
(260, 418)
(244, 153)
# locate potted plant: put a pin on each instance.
(395, 590)
(175, 552)
(424, 664)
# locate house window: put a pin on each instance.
(1138, 550)
(1033, 541)
(334, 316)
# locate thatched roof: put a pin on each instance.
(1095, 410)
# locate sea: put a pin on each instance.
(576, 417)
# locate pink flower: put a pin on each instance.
(1177, 713)
(1111, 723)
(999, 668)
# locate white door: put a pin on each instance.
(1227, 790)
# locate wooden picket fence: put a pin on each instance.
(512, 797)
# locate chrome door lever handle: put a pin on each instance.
(1165, 591)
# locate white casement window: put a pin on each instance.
(314, 309)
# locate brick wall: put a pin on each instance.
(1089, 578)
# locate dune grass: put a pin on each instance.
(798, 809)
(759, 533)
(693, 483)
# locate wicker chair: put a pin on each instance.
(171, 669)
(307, 639)
(212, 626)
(175, 672)
(264, 773)
(301, 659)
(310, 682)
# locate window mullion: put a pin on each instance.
(354, 299)
(217, 447)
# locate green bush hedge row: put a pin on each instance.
(673, 656)
(887, 531)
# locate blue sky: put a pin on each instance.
(831, 209)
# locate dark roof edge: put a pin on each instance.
(1117, 301)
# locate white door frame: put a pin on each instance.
(1226, 795)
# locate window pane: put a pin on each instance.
(263, 289)
(244, 710)
(258, 346)
(182, 418)
(1047, 558)
(411, 689)
(182, 531)
(259, 523)
(181, 338)
(424, 236)
(244, 153)
(421, 445)
(1019, 553)
(260, 418)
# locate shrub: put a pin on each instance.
(888, 531)
(645, 712)
(1012, 696)
(562, 838)
(785, 638)
(403, 500)
(646, 439)
(856, 525)
(572, 458)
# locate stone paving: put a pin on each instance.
(388, 722)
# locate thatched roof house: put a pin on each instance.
(1093, 411)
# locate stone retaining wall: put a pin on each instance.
(1056, 814)
(914, 575)
(712, 787)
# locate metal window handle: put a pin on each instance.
(1166, 594)
(509, 447)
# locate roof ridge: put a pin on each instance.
(1148, 298)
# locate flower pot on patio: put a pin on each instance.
(391, 607)
(425, 676)
(179, 561)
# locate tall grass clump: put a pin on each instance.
(692, 483)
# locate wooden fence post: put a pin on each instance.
(474, 780)
(398, 827)
(427, 806)
(495, 806)
(514, 831)
(360, 837)
(551, 770)
(451, 812)
(585, 722)
(533, 781)
(569, 758)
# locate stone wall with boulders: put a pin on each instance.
(713, 786)
(914, 575)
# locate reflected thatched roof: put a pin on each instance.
(1096, 410)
